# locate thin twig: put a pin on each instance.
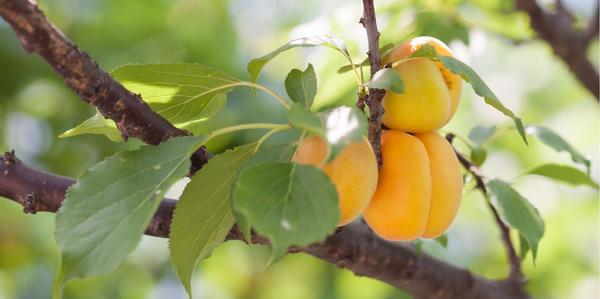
(515, 275)
(375, 95)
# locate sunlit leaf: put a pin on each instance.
(184, 94)
(256, 65)
(96, 124)
(343, 125)
(383, 51)
(386, 78)
(338, 126)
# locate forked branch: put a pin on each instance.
(516, 275)
(353, 247)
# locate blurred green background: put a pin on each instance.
(35, 107)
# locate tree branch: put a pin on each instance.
(352, 247)
(375, 95)
(570, 44)
(515, 275)
(133, 117)
(592, 30)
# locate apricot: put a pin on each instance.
(353, 172)
(419, 188)
(431, 91)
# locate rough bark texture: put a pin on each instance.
(568, 43)
(375, 96)
(83, 75)
(353, 247)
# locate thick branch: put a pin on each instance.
(375, 95)
(594, 25)
(83, 75)
(570, 44)
(353, 247)
(516, 275)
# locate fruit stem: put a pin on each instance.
(265, 89)
(273, 127)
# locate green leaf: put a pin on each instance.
(184, 94)
(419, 243)
(256, 65)
(386, 78)
(481, 134)
(550, 138)
(564, 173)
(383, 50)
(96, 124)
(289, 203)
(442, 240)
(425, 51)
(470, 76)
(300, 117)
(106, 212)
(203, 216)
(274, 153)
(343, 125)
(523, 247)
(338, 126)
(301, 86)
(518, 213)
(478, 155)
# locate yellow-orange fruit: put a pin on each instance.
(419, 189)
(431, 91)
(353, 172)
(446, 183)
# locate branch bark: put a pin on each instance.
(375, 96)
(133, 116)
(353, 247)
(568, 43)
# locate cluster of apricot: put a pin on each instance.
(417, 191)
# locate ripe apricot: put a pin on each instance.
(431, 91)
(353, 172)
(419, 189)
